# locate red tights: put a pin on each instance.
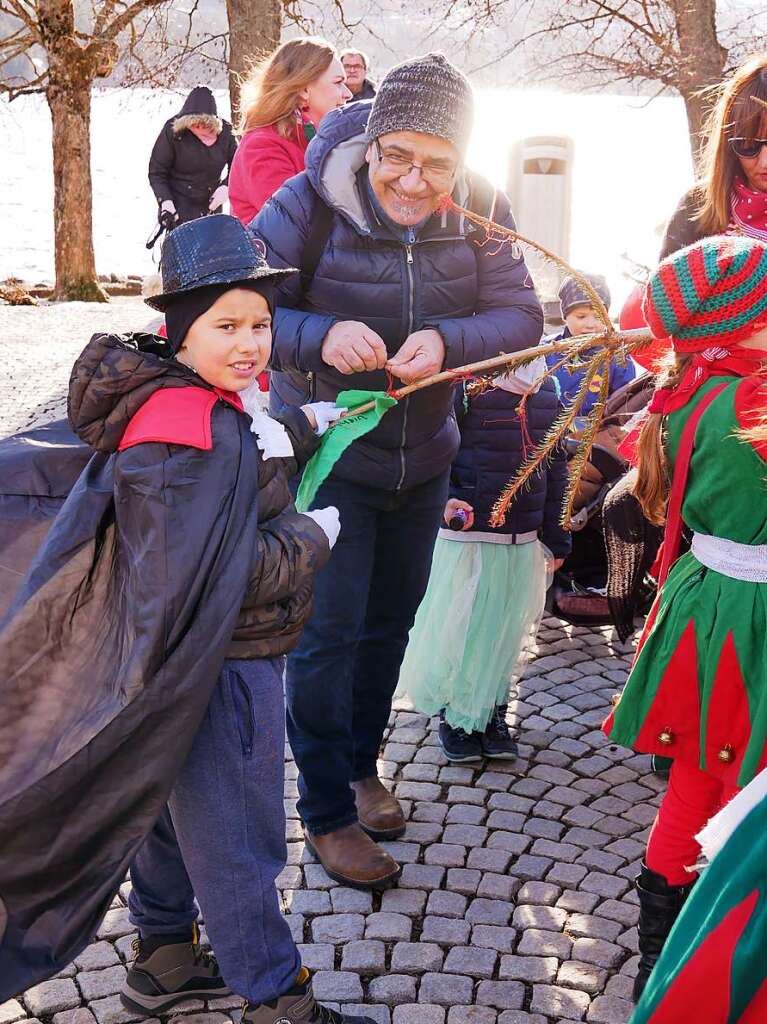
(693, 796)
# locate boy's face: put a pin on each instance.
(583, 320)
(230, 344)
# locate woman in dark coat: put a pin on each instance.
(731, 198)
(188, 158)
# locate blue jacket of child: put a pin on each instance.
(570, 382)
(493, 447)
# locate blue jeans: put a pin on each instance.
(342, 675)
(222, 837)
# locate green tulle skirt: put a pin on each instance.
(474, 629)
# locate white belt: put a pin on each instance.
(473, 536)
(738, 561)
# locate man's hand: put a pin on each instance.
(421, 355)
(453, 505)
(352, 347)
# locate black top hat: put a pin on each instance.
(211, 250)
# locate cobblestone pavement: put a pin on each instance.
(515, 903)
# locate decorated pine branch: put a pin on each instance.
(594, 353)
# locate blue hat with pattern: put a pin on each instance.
(572, 292)
(211, 250)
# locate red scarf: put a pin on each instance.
(714, 362)
(749, 210)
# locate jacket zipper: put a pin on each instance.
(409, 261)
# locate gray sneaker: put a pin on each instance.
(164, 975)
(297, 1006)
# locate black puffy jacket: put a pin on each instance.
(112, 378)
(493, 447)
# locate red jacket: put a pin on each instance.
(263, 161)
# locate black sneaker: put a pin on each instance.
(168, 970)
(496, 741)
(297, 1006)
(457, 744)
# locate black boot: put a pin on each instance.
(659, 906)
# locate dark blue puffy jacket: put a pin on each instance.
(492, 451)
(480, 299)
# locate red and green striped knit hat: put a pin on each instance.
(712, 294)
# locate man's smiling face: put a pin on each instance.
(409, 172)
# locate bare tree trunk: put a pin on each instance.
(73, 195)
(254, 31)
(702, 60)
(72, 69)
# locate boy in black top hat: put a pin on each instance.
(148, 716)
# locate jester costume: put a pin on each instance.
(696, 690)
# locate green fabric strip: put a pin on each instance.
(338, 438)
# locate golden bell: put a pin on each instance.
(666, 737)
(615, 700)
(726, 755)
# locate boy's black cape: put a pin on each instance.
(110, 649)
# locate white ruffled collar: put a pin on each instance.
(271, 437)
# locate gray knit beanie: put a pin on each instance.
(572, 294)
(428, 94)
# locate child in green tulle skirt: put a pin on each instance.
(486, 592)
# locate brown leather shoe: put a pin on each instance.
(378, 812)
(352, 858)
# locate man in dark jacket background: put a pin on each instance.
(400, 292)
(188, 158)
(356, 66)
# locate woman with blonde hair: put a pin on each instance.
(283, 100)
(731, 197)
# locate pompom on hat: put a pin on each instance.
(711, 294)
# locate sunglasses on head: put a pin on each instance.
(747, 148)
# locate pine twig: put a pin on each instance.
(632, 341)
(553, 437)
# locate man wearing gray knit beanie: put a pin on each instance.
(392, 289)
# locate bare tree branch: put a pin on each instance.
(116, 26)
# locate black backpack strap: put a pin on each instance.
(316, 240)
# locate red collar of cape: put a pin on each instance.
(178, 416)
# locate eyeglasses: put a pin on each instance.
(747, 148)
(433, 171)
(354, 67)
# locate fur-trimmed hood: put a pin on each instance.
(210, 121)
(199, 108)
